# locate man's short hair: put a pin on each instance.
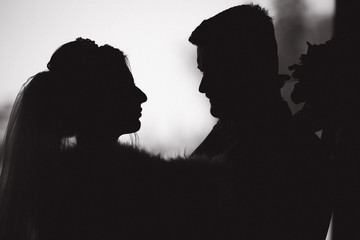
(244, 31)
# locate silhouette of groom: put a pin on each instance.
(277, 191)
(237, 54)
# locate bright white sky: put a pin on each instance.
(152, 33)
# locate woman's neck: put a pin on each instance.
(94, 141)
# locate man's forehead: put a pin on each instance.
(220, 57)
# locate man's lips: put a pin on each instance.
(215, 99)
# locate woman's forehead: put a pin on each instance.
(120, 77)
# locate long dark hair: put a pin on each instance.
(42, 115)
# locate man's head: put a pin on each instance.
(237, 53)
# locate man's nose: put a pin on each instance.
(204, 85)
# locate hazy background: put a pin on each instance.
(154, 36)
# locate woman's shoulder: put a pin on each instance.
(137, 153)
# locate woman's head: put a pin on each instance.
(88, 92)
(113, 106)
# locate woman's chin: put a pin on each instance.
(133, 127)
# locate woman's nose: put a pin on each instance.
(142, 96)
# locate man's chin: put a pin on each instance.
(222, 113)
(214, 112)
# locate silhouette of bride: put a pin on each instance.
(89, 93)
(65, 176)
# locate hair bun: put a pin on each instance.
(73, 56)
